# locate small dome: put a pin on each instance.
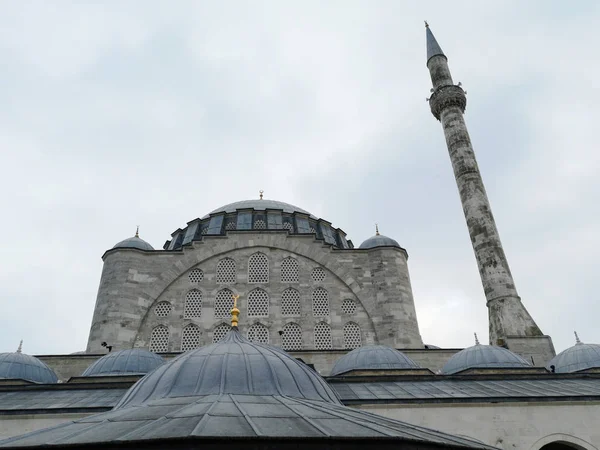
(579, 357)
(232, 366)
(134, 242)
(20, 366)
(483, 356)
(372, 357)
(135, 361)
(379, 240)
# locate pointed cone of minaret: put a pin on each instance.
(433, 48)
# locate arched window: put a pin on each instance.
(190, 338)
(291, 339)
(289, 270)
(193, 304)
(163, 309)
(220, 332)
(320, 302)
(348, 306)
(258, 333)
(258, 303)
(352, 337)
(226, 271)
(159, 339)
(290, 302)
(223, 303)
(196, 276)
(323, 336)
(258, 268)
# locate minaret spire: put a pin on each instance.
(507, 315)
(20, 349)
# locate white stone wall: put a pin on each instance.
(508, 426)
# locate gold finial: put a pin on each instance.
(577, 341)
(235, 312)
(426, 24)
(260, 193)
(20, 349)
(376, 230)
(137, 231)
(476, 339)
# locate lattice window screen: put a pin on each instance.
(291, 339)
(318, 274)
(289, 270)
(258, 268)
(159, 339)
(260, 225)
(226, 271)
(258, 333)
(190, 338)
(220, 332)
(288, 226)
(352, 337)
(323, 336)
(348, 306)
(290, 302)
(223, 303)
(193, 304)
(196, 276)
(258, 303)
(231, 226)
(163, 309)
(320, 302)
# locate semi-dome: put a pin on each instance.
(579, 357)
(232, 366)
(373, 357)
(483, 356)
(134, 242)
(20, 366)
(134, 361)
(259, 205)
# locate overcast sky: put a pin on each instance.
(114, 114)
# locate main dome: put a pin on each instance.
(232, 366)
(259, 205)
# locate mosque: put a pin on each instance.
(264, 323)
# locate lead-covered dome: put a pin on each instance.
(259, 205)
(134, 361)
(373, 357)
(579, 357)
(20, 366)
(379, 240)
(134, 242)
(232, 366)
(483, 357)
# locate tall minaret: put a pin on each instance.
(507, 315)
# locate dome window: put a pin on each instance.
(244, 221)
(352, 338)
(323, 336)
(193, 304)
(290, 302)
(223, 303)
(190, 338)
(302, 225)
(258, 303)
(289, 270)
(159, 339)
(258, 268)
(291, 339)
(215, 225)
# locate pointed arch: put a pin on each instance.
(291, 338)
(290, 302)
(226, 271)
(190, 337)
(352, 335)
(323, 336)
(320, 302)
(289, 270)
(258, 268)
(193, 304)
(159, 339)
(223, 303)
(258, 303)
(220, 332)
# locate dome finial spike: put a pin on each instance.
(20, 349)
(577, 341)
(137, 231)
(426, 24)
(476, 339)
(235, 312)
(376, 230)
(260, 193)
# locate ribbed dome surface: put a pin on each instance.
(483, 356)
(259, 205)
(379, 240)
(579, 357)
(134, 242)
(232, 366)
(373, 357)
(125, 362)
(25, 367)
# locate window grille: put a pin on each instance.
(258, 333)
(223, 303)
(318, 274)
(290, 302)
(220, 332)
(313, 231)
(258, 268)
(196, 276)
(260, 224)
(323, 336)
(163, 309)
(289, 270)
(352, 337)
(159, 339)
(193, 304)
(190, 338)
(230, 226)
(320, 302)
(291, 339)
(348, 306)
(258, 303)
(226, 271)
(288, 226)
